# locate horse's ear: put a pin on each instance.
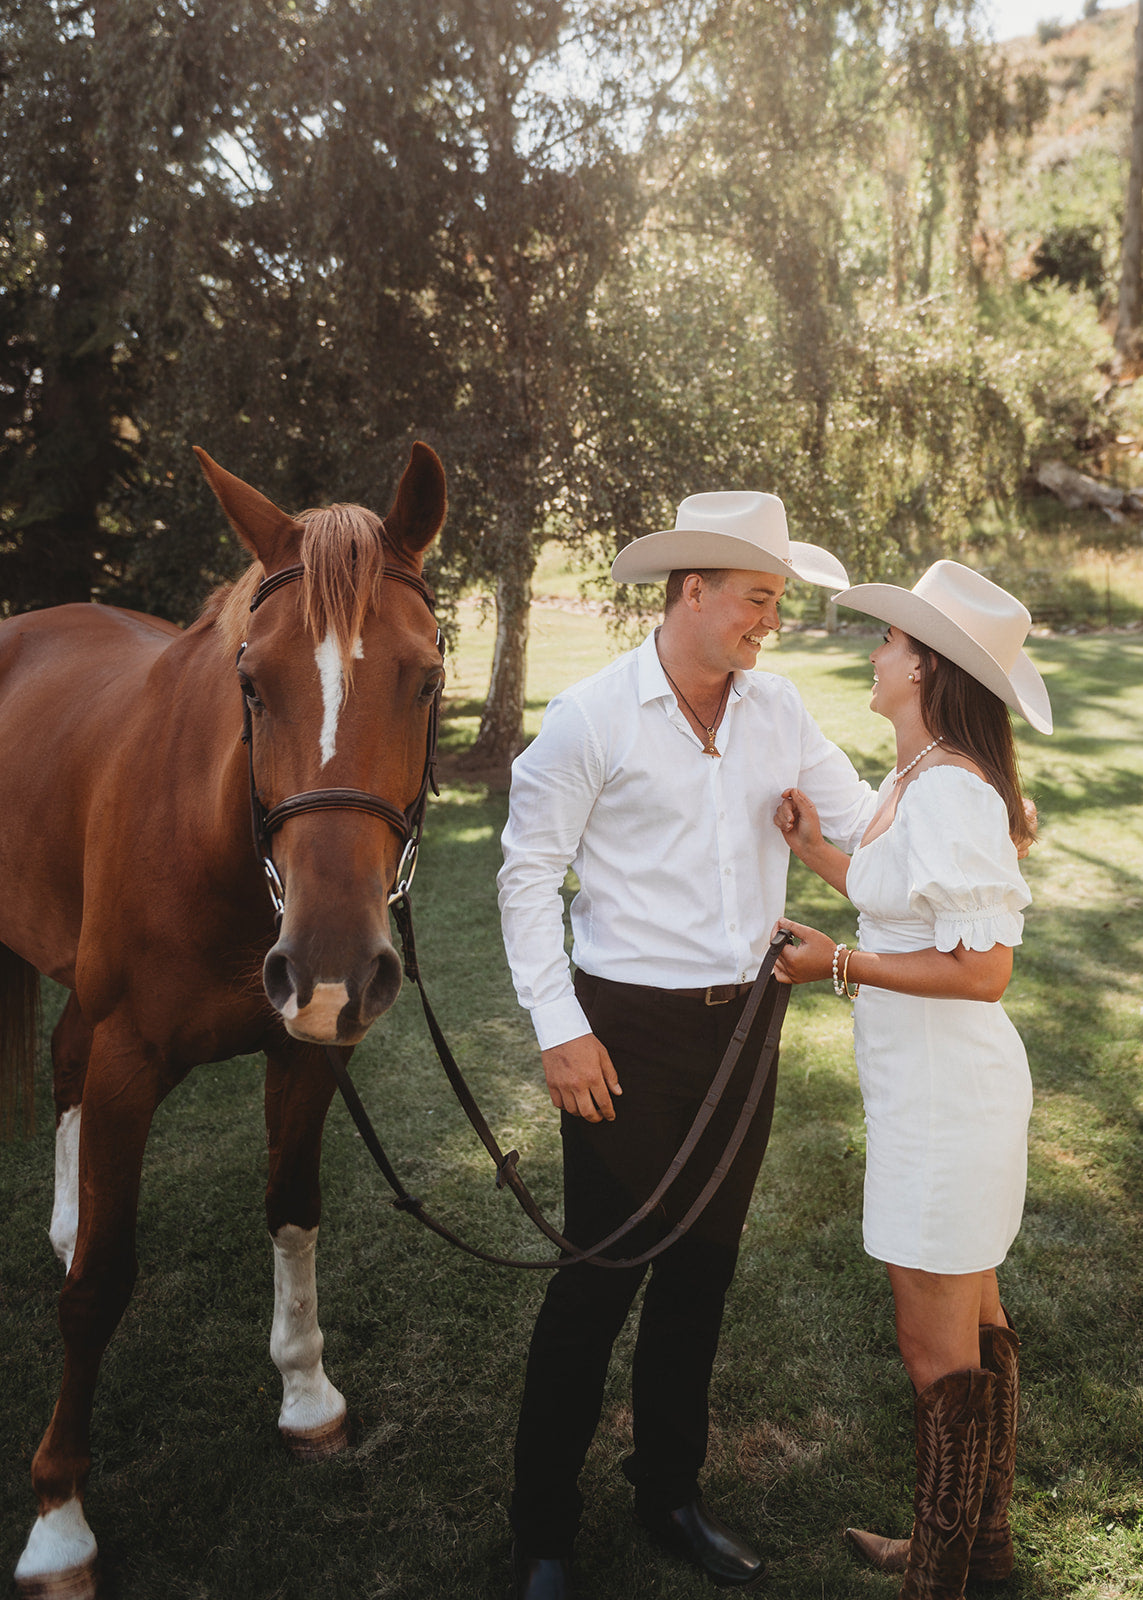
(266, 532)
(418, 511)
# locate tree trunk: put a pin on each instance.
(501, 736)
(1127, 324)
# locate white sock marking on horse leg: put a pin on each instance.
(328, 661)
(60, 1539)
(65, 1207)
(309, 1400)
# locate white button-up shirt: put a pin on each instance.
(682, 872)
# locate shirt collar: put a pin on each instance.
(653, 683)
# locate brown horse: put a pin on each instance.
(127, 873)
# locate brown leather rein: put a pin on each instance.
(767, 997)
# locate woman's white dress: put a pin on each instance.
(945, 1082)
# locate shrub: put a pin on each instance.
(1072, 255)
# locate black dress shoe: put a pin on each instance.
(693, 1533)
(542, 1578)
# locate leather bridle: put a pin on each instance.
(408, 824)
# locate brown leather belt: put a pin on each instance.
(715, 994)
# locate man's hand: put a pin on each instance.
(581, 1079)
(797, 819)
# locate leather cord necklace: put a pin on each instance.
(710, 749)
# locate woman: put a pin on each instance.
(943, 1072)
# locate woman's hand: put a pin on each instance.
(807, 962)
(797, 821)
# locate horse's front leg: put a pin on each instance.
(121, 1092)
(299, 1087)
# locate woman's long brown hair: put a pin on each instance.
(970, 719)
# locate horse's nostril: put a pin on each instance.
(384, 986)
(279, 980)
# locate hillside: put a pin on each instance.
(1055, 198)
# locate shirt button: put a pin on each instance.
(722, 816)
(734, 927)
(726, 872)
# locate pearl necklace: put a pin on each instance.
(932, 745)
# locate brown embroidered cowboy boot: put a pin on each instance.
(992, 1554)
(953, 1425)
(887, 1555)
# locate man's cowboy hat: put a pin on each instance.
(734, 528)
(963, 615)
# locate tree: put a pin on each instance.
(1130, 313)
(556, 105)
(180, 242)
(62, 192)
(820, 143)
(116, 210)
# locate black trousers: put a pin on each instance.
(666, 1049)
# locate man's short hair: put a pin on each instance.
(713, 576)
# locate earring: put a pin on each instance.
(912, 677)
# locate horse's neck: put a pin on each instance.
(201, 702)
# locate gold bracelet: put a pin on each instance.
(845, 978)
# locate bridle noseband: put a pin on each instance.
(408, 824)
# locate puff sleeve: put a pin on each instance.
(963, 871)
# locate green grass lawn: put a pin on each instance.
(191, 1494)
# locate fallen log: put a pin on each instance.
(1076, 489)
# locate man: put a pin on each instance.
(657, 780)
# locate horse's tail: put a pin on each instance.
(19, 1040)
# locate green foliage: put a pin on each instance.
(600, 254)
(1072, 256)
(934, 410)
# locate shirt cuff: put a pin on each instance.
(557, 1021)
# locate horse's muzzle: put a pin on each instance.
(320, 1008)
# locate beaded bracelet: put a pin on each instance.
(837, 984)
(845, 979)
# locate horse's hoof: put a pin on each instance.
(58, 1561)
(316, 1444)
(74, 1583)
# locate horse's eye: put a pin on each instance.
(432, 686)
(250, 693)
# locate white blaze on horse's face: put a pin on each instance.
(332, 690)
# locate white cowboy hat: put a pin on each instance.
(733, 528)
(965, 616)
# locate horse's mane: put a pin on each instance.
(343, 554)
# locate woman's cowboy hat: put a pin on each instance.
(963, 615)
(734, 528)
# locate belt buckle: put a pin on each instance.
(708, 997)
